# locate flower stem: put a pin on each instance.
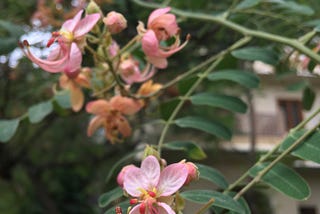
(206, 206)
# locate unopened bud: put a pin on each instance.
(115, 22)
(193, 173)
(151, 151)
(93, 8)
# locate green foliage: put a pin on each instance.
(220, 200)
(230, 103)
(308, 150)
(191, 149)
(308, 98)
(284, 180)
(257, 53)
(108, 197)
(39, 111)
(293, 7)
(247, 4)
(124, 206)
(241, 77)
(213, 175)
(209, 126)
(36, 114)
(10, 34)
(7, 129)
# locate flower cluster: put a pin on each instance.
(152, 189)
(115, 70)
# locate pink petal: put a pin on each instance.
(98, 107)
(121, 174)
(73, 65)
(125, 105)
(151, 168)
(94, 124)
(135, 210)
(48, 65)
(165, 26)
(70, 24)
(172, 178)
(86, 24)
(55, 54)
(134, 181)
(150, 43)
(158, 12)
(158, 62)
(165, 208)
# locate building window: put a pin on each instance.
(292, 112)
(307, 210)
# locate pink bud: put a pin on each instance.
(121, 175)
(115, 22)
(193, 173)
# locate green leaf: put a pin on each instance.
(63, 99)
(186, 84)
(244, 78)
(7, 129)
(220, 200)
(298, 86)
(108, 197)
(213, 175)
(257, 53)
(284, 180)
(205, 125)
(294, 7)
(247, 4)
(308, 98)
(193, 150)
(308, 150)
(9, 33)
(166, 108)
(38, 112)
(241, 201)
(230, 103)
(124, 206)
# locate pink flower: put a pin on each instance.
(110, 115)
(157, 54)
(115, 22)
(67, 56)
(149, 185)
(163, 24)
(161, 27)
(130, 71)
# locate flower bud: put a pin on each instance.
(122, 173)
(93, 8)
(115, 22)
(193, 173)
(151, 151)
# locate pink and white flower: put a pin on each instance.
(149, 186)
(67, 56)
